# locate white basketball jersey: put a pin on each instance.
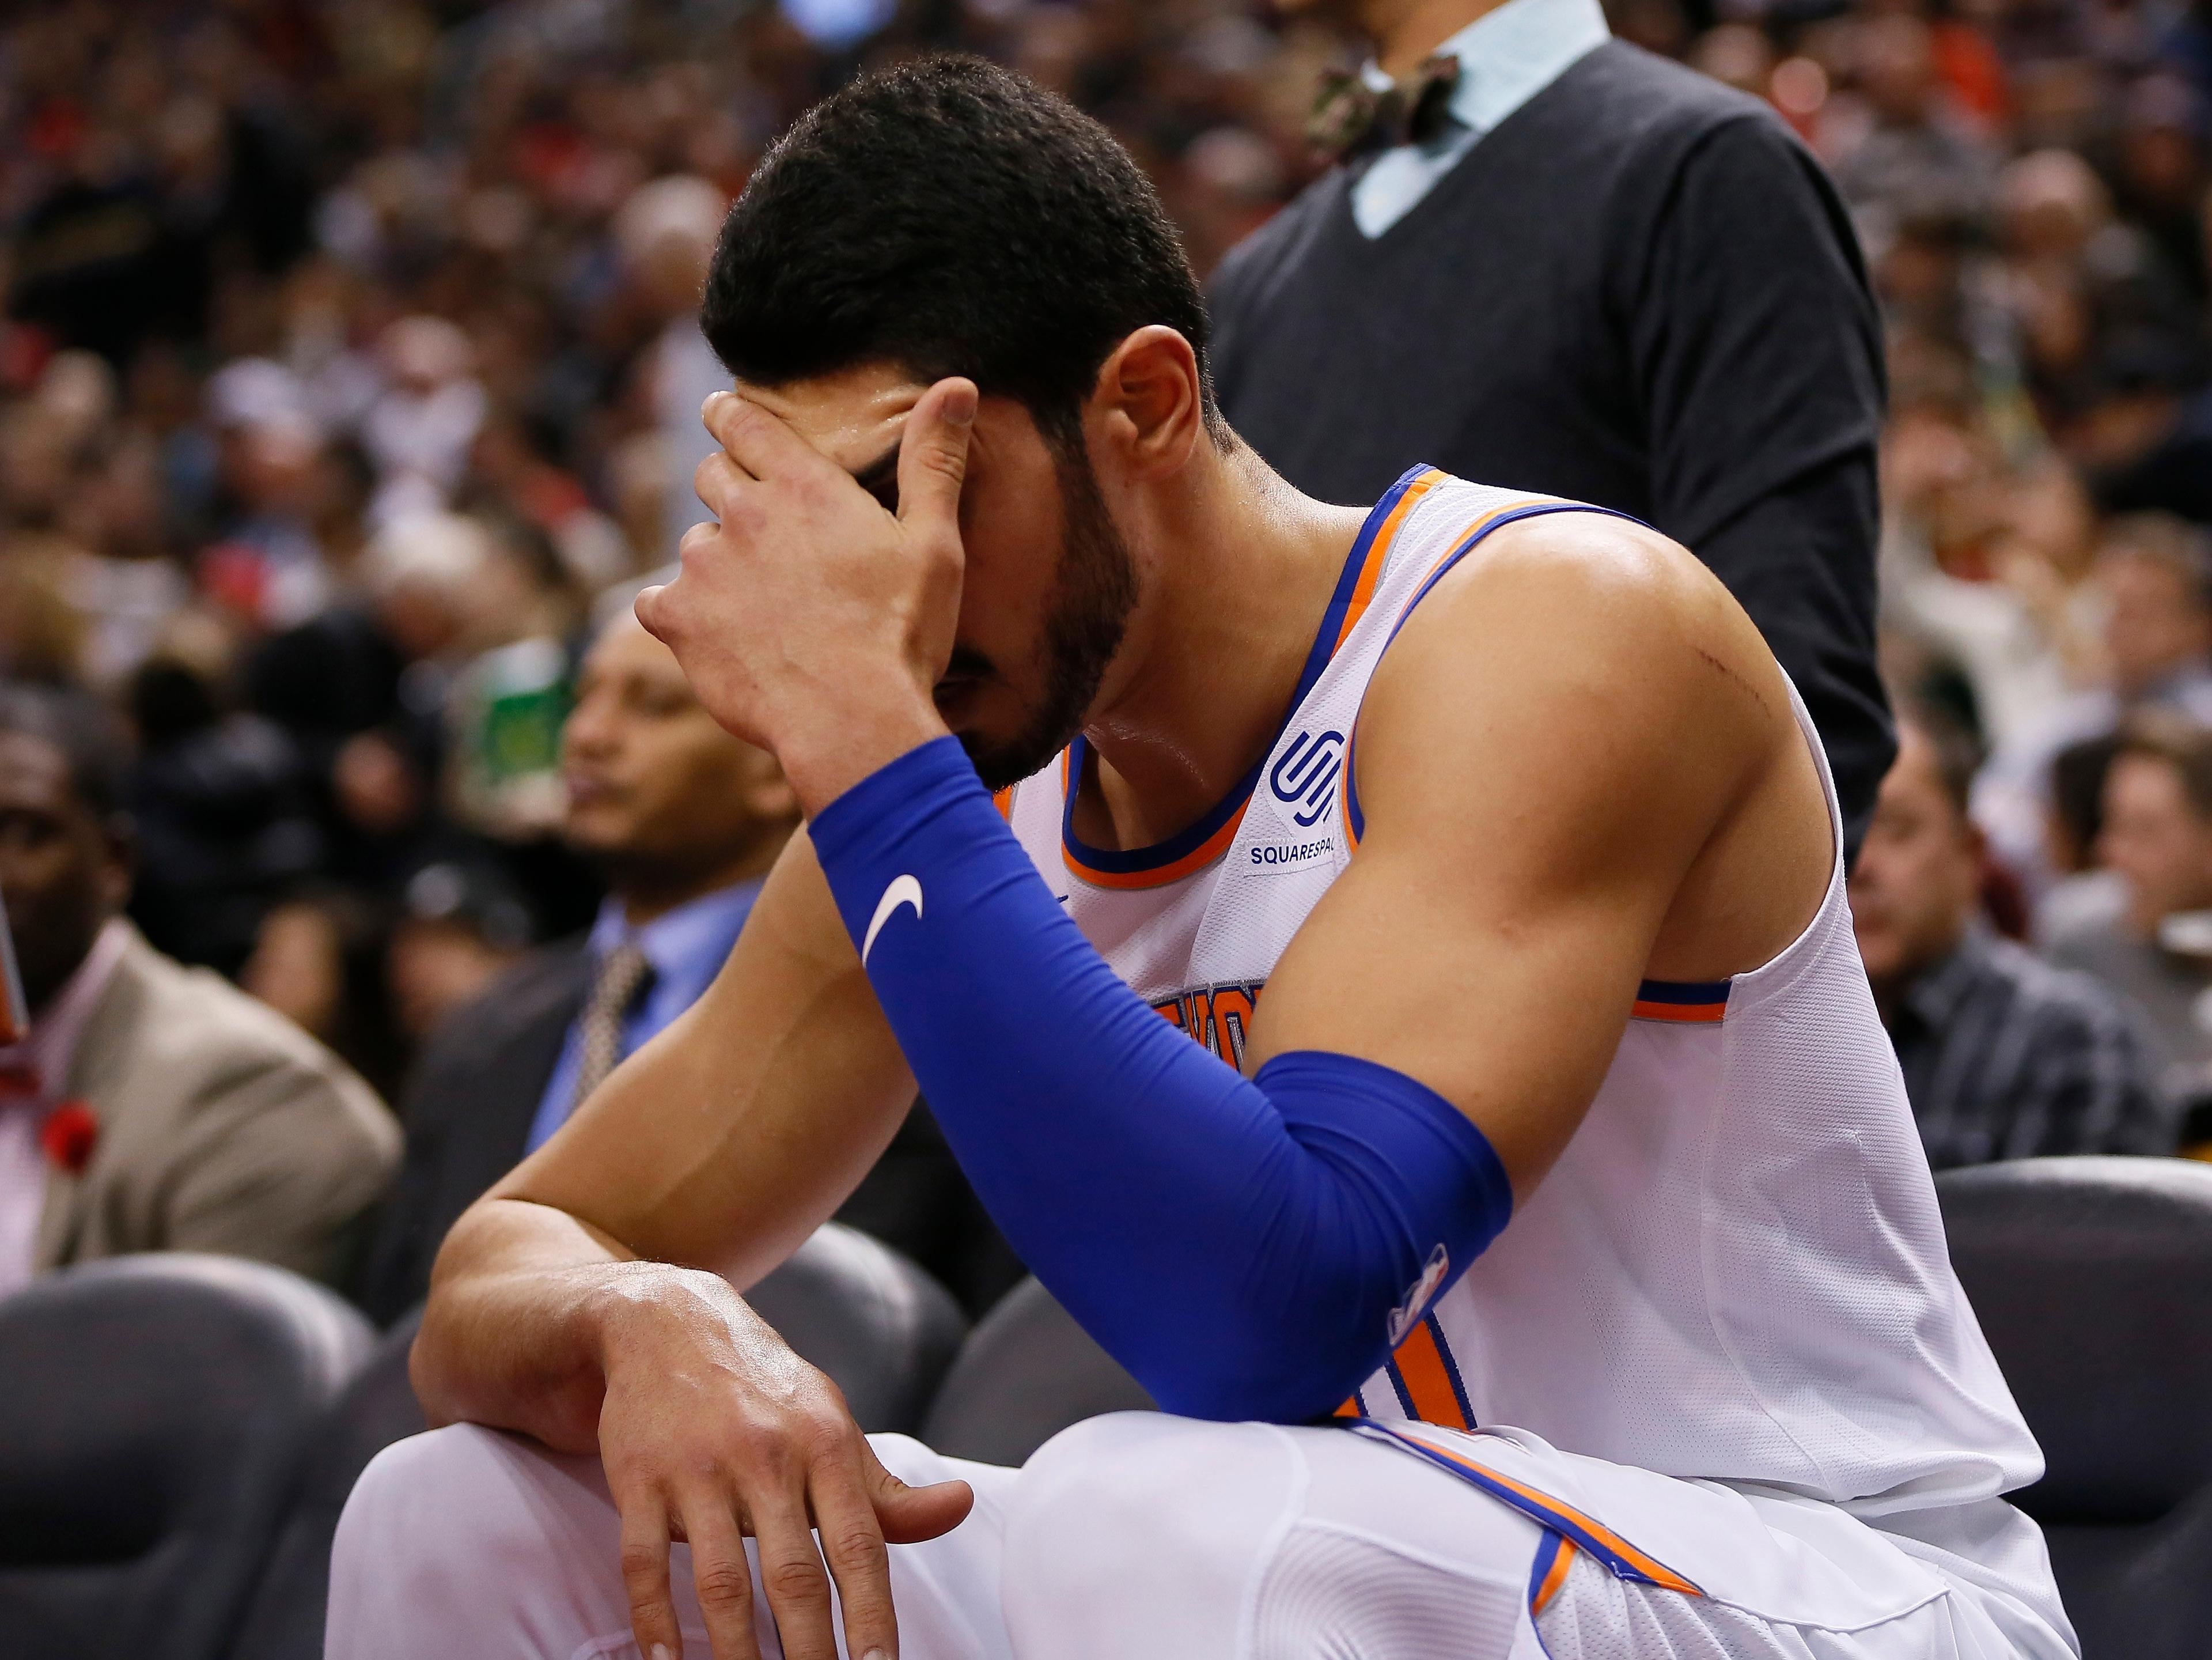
(1737, 1271)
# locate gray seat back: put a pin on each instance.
(158, 1409)
(1025, 1373)
(378, 1407)
(2090, 1277)
(880, 1327)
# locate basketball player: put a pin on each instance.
(1401, 1000)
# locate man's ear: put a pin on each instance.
(1151, 397)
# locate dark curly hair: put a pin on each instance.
(952, 217)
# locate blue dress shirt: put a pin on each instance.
(687, 948)
(1506, 57)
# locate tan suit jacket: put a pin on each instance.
(223, 1128)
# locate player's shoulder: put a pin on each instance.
(1524, 554)
(1559, 595)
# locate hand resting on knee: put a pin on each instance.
(710, 1430)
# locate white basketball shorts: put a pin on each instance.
(1142, 1537)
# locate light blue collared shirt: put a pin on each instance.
(686, 948)
(1505, 58)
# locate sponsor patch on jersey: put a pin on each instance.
(1265, 857)
(1304, 777)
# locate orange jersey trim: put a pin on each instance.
(1196, 860)
(1363, 592)
(1421, 1366)
(1649, 1566)
(1682, 1002)
(1681, 1014)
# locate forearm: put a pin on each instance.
(516, 1333)
(731, 1136)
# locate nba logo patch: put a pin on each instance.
(1418, 1295)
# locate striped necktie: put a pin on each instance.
(623, 976)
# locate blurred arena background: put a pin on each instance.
(349, 371)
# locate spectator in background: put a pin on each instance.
(685, 821)
(418, 433)
(459, 929)
(153, 1107)
(219, 802)
(2004, 1055)
(2084, 887)
(2153, 578)
(1917, 160)
(265, 566)
(666, 232)
(373, 986)
(2093, 291)
(352, 256)
(2156, 838)
(1556, 263)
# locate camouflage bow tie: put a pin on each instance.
(1351, 118)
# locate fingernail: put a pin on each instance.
(959, 410)
(660, 1650)
(877, 1654)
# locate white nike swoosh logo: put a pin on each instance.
(903, 890)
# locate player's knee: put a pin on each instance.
(1126, 1499)
(407, 1481)
(431, 1504)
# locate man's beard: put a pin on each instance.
(1093, 592)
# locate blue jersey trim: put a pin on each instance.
(1685, 992)
(1405, 1395)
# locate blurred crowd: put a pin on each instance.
(349, 362)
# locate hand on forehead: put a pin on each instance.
(855, 418)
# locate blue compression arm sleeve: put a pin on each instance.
(1248, 1249)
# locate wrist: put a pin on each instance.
(847, 744)
(622, 1306)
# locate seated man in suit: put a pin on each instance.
(152, 1107)
(685, 821)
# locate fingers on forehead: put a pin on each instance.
(756, 437)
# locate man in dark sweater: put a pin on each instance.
(1580, 270)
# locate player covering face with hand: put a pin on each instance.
(1400, 997)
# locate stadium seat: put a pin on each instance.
(1025, 1373)
(883, 1330)
(378, 1407)
(157, 1411)
(2089, 1276)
